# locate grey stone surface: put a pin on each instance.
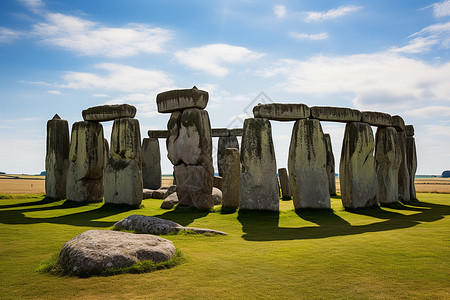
(86, 158)
(109, 112)
(216, 196)
(404, 180)
(236, 131)
(337, 114)
(307, 166)
(174, 100)
(398, 123)
(259, 184)
(57, 158)
(284, 184)
(387, 162)
(220, 132)
(158, 133)
(123, 172)
(358, 178)
(409, 129)
(151, 163)
(375, 118)
(147, 193)
(172, 189)
(331, 167)
(194, 185)
(159, 193)
(411, 159)
(282, 111)
(170, 201)
(217, 182)
(94, 251)
(222, 145)
(155, 225)
(231, 178)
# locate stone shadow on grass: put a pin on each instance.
(263, 226)
(183, 215)
(45, 200)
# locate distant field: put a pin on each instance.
(29, 184)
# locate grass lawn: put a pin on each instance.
(401, 252)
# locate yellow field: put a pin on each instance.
(28, 184)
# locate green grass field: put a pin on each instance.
(393, 253)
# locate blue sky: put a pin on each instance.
(64, 56)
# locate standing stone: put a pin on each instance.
(307, 166)
(231, 178)
(194, 185)
(330, 165)
(57, 158)
(151, 164)
(106, 148)
(223, 144)
(85, 175)
(404, 179)
(123, 172)
(285, 184)
(359, 184)
(411, 158)
(259, 185)
(387, 160)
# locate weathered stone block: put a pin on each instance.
(174, 100)
(57, 158)
(236, 132)
(375, 118)
(163, 134)
(220, 132)
(337, 114)
(222, 145)
(231, 178)
(151, 164)
(411, 159)
(330, 165)
(358, 178)
(109, 112)
(217, 182)
(259, 185)
(194, 185)
(284, 184)
(409, 129)
(282, 111)
(398, 123)
(404, 179)
(307, 166)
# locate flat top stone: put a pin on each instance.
(376, 118)
(218, 132)
(281, 111)
(173, 100)
(337, 114)
(398, 123)
(158, 133)
(409, 130)
(236, 131)
(109, 112)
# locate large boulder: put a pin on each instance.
(376, 118)
(358, 178)
(307, 166)
(123, 172)
(57, 158)
(170, 201)
(151, 164)
(86, 157)
(330, 165)
(387, 159)
(223, 144)
(282, 111)
(231, 178)
(411, 160)
(259, 184)
(174, 100)
(95, 251)
(109, 112)
(336, 114)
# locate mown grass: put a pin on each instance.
(397, 252)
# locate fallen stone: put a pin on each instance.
(95, 251)
(409, 130)
(231, 178)
(258, 184)
(172, 189)
(170, 201)
(398, 123)
(109, 112)
(155, 225)
(158, 134)
(147, 194)
(411, 159)
(337, 114)
(387, 162)
(330, 165)
(57, 158)
(375, 118)
(219, 132)
(222, 145)
(151, 164)
(282, 111)
(236, 132)
(174, 100)
(217, 182)
(358, 178)
(284, 184)
(216, 196)
(159, 194)
(307, 166)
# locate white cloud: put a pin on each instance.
(100, 96)
(429, 112)
(441, 9)
(279, 11)
(145, 103)
(55, 92)
(417, 45)
(211, 58)
(317, 16)
(119, 78)
(33, 5)
(89, 38)
(312, 37)
(8, 35)
(438, 130)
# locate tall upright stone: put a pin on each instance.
(285, 184)
(151, 164)
(259, 185)
(231, 177)
(123, 172)
(307, 166)
(404, 179)
(358, 178)
(411, 159)
(330, 165)
(224, 143)
(57, 158)
(86, 157)
(387, 161)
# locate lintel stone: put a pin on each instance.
(398, 123)
(174, 100)
(236, 131)
(376, 118)
(109, 112)
(409, 130)
(218, 132)
(282, 111)
(336, 114)
(158, 134)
